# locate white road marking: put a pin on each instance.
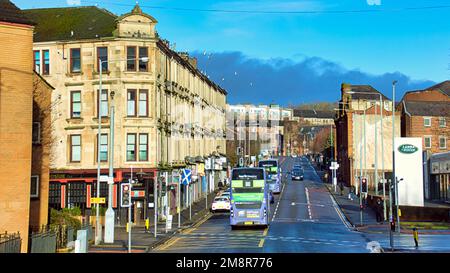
(278, 203)
(307, 201)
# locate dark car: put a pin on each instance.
(297, 174)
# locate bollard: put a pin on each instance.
(147, 225)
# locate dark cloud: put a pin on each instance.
(284, 81)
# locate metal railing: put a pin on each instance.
(47, 239)
(10, 243)
(44, 241)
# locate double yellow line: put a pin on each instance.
(261, 242)
(175, 239)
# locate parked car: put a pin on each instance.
(221, 203)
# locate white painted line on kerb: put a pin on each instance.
(307, 201)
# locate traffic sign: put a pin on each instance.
(186, 177)
(98, 200)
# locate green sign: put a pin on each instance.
(248, 197)
(407, 149)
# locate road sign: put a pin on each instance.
(186, 177)
(104, 178)
(98, 200)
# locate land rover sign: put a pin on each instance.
(407, 149)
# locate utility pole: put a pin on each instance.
(391, 218)
(155, 203)
(382, 158)
(394, 178)
(360, 178)
(98, 235)
(376, 150)
(129, 211)
(179, 202)
(109, 216)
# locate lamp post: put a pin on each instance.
(394, 178)
(109, 215)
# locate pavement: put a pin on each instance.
(143, 240)
(430, 240)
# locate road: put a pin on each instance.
(304, 219)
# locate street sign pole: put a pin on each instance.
(155, 202)
(179, 203)
(129, 211)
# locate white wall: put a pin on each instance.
(409, 167)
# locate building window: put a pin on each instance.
(36, 133)
(143, 53)
(46, 57)
(76, 194)
(104, 189)
(54, 195)
(442, 142)
(143, 147)
(442, 122)
(131, 58)
(75, 60)
(103, 103)
(427, 142)
(131, 147)
(75, 104)
(427, 121)
(102, 53)
(143, 103)
(131, 103)
(37, 61)
(34, 192)
(75, 148)
(103, 147)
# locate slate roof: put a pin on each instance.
(314, 114)
(73, 23)
(12, 14)
(444, 87)
(428, 108)
(366, 89)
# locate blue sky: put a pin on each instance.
(388, 38)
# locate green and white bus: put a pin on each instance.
(250, 199)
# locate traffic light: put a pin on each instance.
(364, 185)
(125, 195)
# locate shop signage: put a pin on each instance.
(407, 148)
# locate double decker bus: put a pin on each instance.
(250, 200)
(273, 174)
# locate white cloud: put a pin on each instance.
(73, 2)
(374, 2)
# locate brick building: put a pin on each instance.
(426, 114)
(16, 117)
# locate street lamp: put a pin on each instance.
(109, 215)
(393, 156)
